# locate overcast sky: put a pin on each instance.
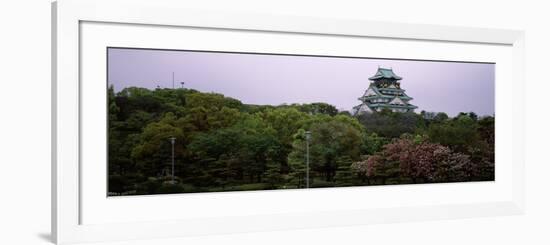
(449, 87)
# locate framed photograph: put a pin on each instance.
(171, 122)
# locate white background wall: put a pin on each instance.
(25, 122)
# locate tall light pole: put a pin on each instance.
(173, 85)
(173, 141)
(308, 138)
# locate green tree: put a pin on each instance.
(211, 100)
(153, 152)
(391, 124)
(441, 117)
(273, 175)
(244, 149)
(372, 143)
(318, 108)
(460, 133)
(332, 143)
(285, 122)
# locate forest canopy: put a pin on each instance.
(222, 144)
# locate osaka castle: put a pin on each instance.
(384, 92)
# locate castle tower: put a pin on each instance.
(384, 92)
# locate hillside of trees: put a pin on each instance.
(224, 145)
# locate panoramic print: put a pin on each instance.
(202, 121)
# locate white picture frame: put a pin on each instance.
(67, 191)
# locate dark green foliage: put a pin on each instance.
(333, 143)
(272, 175)
(224, 145)
(390, 124)
(373, 143)
(441, 117)
(459, 133)
(318, 108)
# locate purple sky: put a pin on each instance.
(449, 87)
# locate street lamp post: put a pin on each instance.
(173, 141)
(308, 138)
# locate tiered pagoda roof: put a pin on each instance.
(385, 92)
(385, 73)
